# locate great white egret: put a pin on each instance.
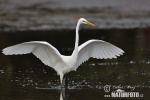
(50, 56)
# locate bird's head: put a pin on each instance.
(84, 21)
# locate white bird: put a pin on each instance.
(50, 56)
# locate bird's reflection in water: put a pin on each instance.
(64, 94)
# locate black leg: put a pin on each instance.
(64, 82)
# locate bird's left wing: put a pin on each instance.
(97, 49)
(48, 54)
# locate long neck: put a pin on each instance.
(77, 38)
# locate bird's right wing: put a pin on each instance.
(97, 49)
(48, 54)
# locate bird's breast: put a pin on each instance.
(69, 61)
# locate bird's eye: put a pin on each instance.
(84, 21)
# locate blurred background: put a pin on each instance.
(124, 23)
(63, 14)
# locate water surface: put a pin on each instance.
(27, 78)
(63, 14)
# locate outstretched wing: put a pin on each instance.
(97, 49)
(48, 54)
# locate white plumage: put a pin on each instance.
(97, 49)
(50, 56)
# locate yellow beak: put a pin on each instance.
(89, 23)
